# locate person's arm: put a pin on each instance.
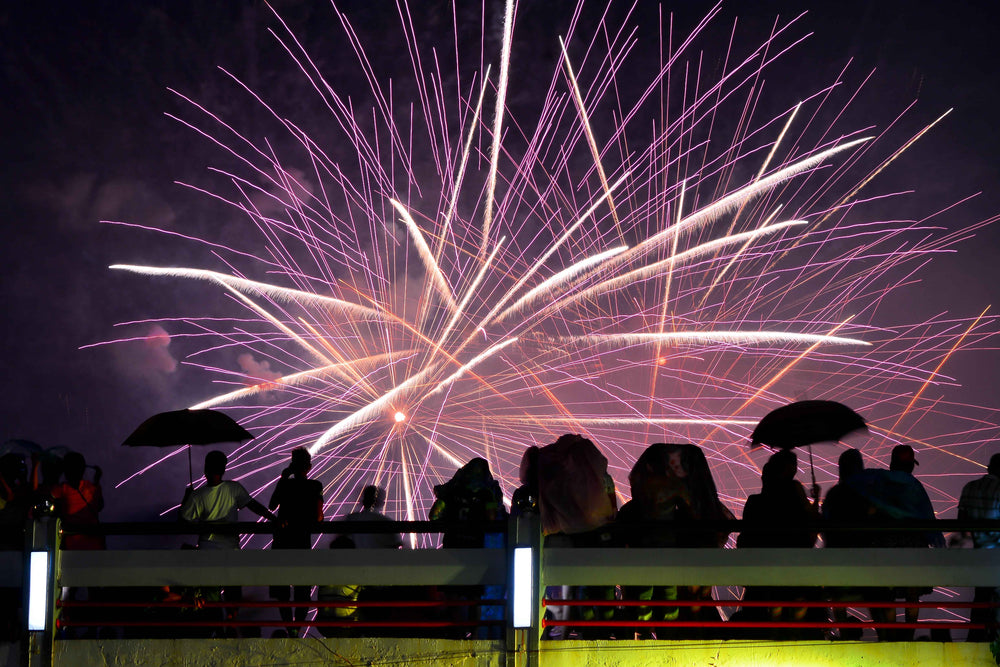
(191, 509)
(259, 509)
(276, 495)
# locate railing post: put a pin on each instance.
(40, 591)
(523, 603)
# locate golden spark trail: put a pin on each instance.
(713, 211)
(501, 103)
(591, 140)
(701, 337)
(671, 263)
(425, 254)
(281, 326)
(292, 380)
(546, 286)
(279, 293)
(548, 253)
(472, 363)
(470, 292)
(944, 360)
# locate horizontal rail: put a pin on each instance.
(772, 567)
(418, 567)
(301, 567)
(828, 625)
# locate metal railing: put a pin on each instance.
(577, 567)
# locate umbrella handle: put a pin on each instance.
(812, 472)
(191, 469)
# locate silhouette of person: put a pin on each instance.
(897, 494)
(659, 494)
(15, 502)
(79, 501)
(343, 594)
(980, 499)
(299, 501)
(372, 501)
(218, 502)
(776, 518)
(843, 503)
(472, 496)
(578, 505)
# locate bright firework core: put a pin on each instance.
(579, 259)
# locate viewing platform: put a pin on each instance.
(131, 622)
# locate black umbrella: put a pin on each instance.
(804, 423)
(20, 446)
(187, 427)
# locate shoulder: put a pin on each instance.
(235, 488)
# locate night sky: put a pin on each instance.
(85, 138)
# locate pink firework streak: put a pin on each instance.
(629, 248)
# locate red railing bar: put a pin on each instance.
(762, 624)
(778, 603)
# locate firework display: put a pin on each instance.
(636, 245)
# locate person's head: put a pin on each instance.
(301, 462)
(73, 467)
(994, 467)
(786, 463)
(372, 497)
(850, 463)
(215, 464)
(13, 469)
(903, 459)
(770, 475)
(52, 469)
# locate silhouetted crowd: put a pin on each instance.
(566, 485)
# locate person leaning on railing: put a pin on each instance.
(980, 499)
(339, 593)
(776, 517)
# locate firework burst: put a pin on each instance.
(465, 273)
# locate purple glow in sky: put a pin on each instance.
(351, 260)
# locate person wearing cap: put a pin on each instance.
(980, 499)
(903, 458)
(906, 499)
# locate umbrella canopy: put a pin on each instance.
(806, 422)
(187, 427)
(20, 446)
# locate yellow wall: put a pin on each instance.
(252, 652)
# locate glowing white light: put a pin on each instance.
(399, 417)
(38, 590)
(522, 587)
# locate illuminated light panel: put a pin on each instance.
(38, 590)
(523, 574)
